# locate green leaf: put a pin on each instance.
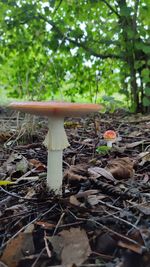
(125, 11)
(147, 91)
(146, 101)
(146, 49)
(103, 150)
(138, 64)
(146, 75)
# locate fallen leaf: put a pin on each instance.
(134, 134)
(121, 168)
(17, 209)
(76, 172)
(15, 163)
(38, 165)
(97, 171)
(87, 193)
(93, 200)
(144, 208)
(130, 259)
(134, 144)
(57, 244)
(73, 200)
(45, 225)
(76, 247)
(4, 136)
(133, 247)
(105, 244)
(31, 192)
(144, 157)
(17, 248)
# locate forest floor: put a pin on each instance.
(102, 218)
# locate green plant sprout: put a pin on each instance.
(104, 150)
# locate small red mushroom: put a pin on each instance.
(110, 137)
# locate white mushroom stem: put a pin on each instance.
(54, 170)
(56, 140)
(110, 142)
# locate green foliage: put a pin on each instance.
(146, 75)
(146, 101)
(112, 103)
(147, 91)
(76, 50)
(103, 150)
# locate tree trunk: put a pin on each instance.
(128, 22)
(134, 87)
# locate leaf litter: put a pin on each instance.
(102, 219)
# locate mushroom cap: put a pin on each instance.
(58, 109)
(109, 135)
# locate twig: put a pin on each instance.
(38, 257)
(46, 245)
(122, 220)
(24, 227)
(109, 205)
(59, 221)
(15, 195)
(111, 8)
(109, 230)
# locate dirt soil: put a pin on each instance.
(101, 218)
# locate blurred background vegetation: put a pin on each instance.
(86, 51)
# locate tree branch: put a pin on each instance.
(76, 42)
(91, 51)
(111, 8)
(135, 15)
(57, 7)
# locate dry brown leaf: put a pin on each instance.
(105, 244)
(121, 168)
(73, 200)
(133, 247)
(134, 134)
(4, 136)
(137, 235)
(17, 248)
(17, 209)
(134, 144)
(76, 172)
(31, 192)
(97, 172)
(87, 193)
(132, 259)
(93, 200)
(16, 163)
(38, 165)
(76, 247)
(144, 157)
(57, 244)
(144, 208)
(45, 225)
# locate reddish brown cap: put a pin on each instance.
(58, 109)
(109, 135)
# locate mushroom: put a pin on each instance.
(110, 137)
(56, 139)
